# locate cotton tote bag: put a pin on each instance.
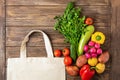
(35, 68)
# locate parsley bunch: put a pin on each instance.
(71, 25)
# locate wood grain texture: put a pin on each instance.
(115, 44)
(39, 51)
(56, 2)
(2, 40)
(17, 34)
(12, 52)
(23, 16)
(14, 36)
(44, 15)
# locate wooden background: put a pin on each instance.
(18, 17)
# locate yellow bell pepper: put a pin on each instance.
(98, 37)
(92, 61)
(100, 68)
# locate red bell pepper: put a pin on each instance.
(86, 73)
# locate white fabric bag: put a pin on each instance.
(36, 68)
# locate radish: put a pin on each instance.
(91, 43)
(97, 45)
(86, 47)
(94, 55)
(87, 55)
(93, 50)
(99, 51)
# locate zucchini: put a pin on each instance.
(85, 38)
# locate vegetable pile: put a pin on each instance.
(71, 25)
(85, 56)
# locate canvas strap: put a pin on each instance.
(46, 41)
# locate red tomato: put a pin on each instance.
(89, 21)
(57, 53)
(67, 60)
(66, 52)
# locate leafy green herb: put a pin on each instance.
(71, 25)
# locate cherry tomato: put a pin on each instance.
(67, 60)
(89, 21)
(57, 53)
(66, 52)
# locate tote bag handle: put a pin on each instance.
(46, 41)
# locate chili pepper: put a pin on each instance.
(86, 73)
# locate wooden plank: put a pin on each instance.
(14, 36)
(115, 55)
(2, 40)
(12, 52)
(115, 34)
(44, 15)
(115, 27)
(56, 2)
(34, 15)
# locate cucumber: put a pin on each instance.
(73, 51)
(85, 38)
